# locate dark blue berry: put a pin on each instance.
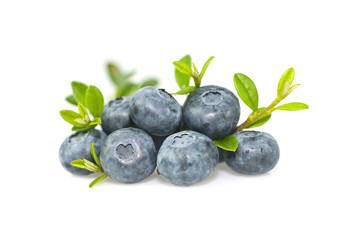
(155, 111)
(77, 146)
(128, 155)
(211, 110)
(257, 153)
(186, 158)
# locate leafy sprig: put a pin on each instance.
(183, 73)
(124, 83)
(93, 167)
(260, 116)
(247, 91)
(86, 98)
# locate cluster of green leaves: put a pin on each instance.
(93, 167)
(247, 91)
(184, 72)
(123, 81)
(86, 98)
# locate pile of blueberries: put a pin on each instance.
(152, 130)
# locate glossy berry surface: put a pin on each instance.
(186, 158)
(116, 115)
(211, 110)
(257, 153)
(128, 155)
(77, 146)
(155, 111)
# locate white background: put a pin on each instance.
(311, 194)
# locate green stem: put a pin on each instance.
(197, 80)
(267, 111)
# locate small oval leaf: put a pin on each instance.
(81, 121)
(70, 116)
(287, 76)
(181, 78)
(78, 163)
(82, 110)
(183, 68)
(293, 106)
(86, 164)
(230, 143)
(115, 73)
(246, 90)
(291, 89)
(94, 101)
(79, 91)
(71, 99)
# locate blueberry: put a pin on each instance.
(77, 146)
(211, 110)
(186, 158)
(128, 155)
(257, 153)
(116, 115)
(155, 111)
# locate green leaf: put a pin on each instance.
(94, 101)
(186, 90)
(71, 99)
(121, 80)
(115, 73)
(83, 112)
(86, 164)
(82, 129)
(183, 68)
(94, 155)
(261, 121)
(293, 106)
(246, 90)
(230, 143)
(97, 180)
(79, 91)
(292, 88)
(70, 117)
(287, 76)
(205, 66)
(181, 78)
(149, 82)
(78, 163)
(95, 121)
(81, 121)
(285, 89)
